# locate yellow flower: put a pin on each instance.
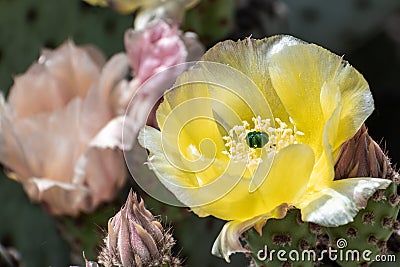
(254, 130)
(124, 6)
(149, 9)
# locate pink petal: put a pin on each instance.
(98, 105)
(154, 49)
(55, 79)
(103, 171)
(45, 145)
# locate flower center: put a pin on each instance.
(245, 144)
(257, 139)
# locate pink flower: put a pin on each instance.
(59, 134)
(156, 55)
(154, 49)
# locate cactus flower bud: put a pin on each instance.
(361, 156)
(136, 238)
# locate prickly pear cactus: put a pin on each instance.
(291, 235)
(354, 244)
(370, 230)
(373, 226)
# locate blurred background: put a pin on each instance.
(366, 32)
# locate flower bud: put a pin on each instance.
(136, 238)
(361, 156)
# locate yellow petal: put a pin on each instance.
(189, 130)
(97, 2)
(323, 172)
(201, 108)
(238, 94)
(124, 6)
(231, 100)
(128, 6)
(330, 99)
(229, 189)
(304, 77)
(150, 139)
(185, 184)
(271, 193)
(251, 57)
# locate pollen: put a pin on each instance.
(280, 135)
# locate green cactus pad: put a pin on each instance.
(284, 240)
(335, 246)
(369, 231)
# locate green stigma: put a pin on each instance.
(257, 139)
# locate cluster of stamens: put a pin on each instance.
(280, 136)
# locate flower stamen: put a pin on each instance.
(245, 144)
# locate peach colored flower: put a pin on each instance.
(59, 134)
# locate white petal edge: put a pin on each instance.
(340, 203)
(118, 133)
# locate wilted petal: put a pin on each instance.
(59, 198)
(11, 150)
(228, 240)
